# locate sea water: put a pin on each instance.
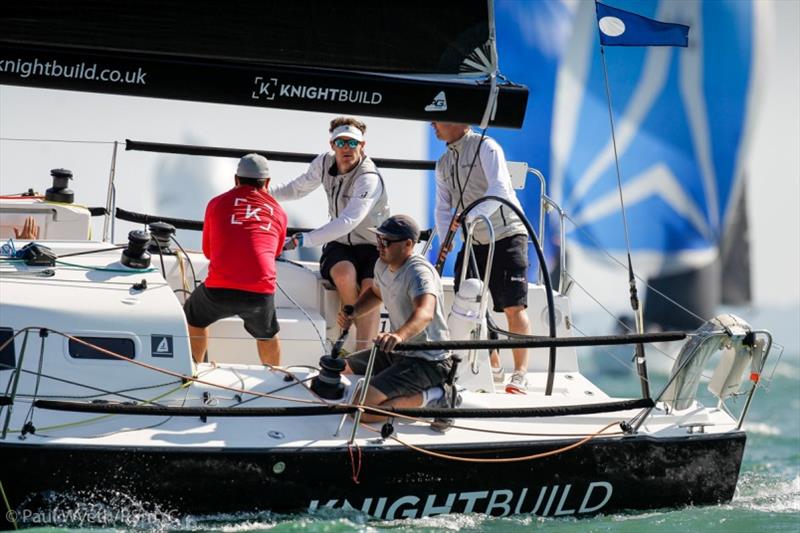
(767, 496)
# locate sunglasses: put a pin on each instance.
(341, 143)
(383, 242)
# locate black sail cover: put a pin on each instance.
(416, 59)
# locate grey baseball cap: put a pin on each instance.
(398, 227)
(253, 166)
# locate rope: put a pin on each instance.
(542, 342)
(87, 252)
(11, 516)
(29, 416)
(192, 379)
(305, 313)
(599, 246)
(619, 173)
(24, 139)
(188, 260)
(157, 369)
(523, 433)
(353, 462)
(624, 325)
(103, 392)
(458, 458)
(103, 269)
(608, 352)
(179, 255)
(102, 417)
(179, 375)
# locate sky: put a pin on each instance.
(775, 168)
(774, 165)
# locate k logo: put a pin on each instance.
(265, 90)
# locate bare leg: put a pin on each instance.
(367, 324)
(518, 323)
(198, 340)
(269, 351)
(376, 398)
(344, 277)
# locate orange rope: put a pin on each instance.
(164, 370)
(502, 459)
(21, 197)
(356, 469)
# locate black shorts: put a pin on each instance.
(396, 375)
(207, 305)
(508, 281)
(362, 256)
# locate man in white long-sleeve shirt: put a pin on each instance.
(474, 167)
(356, 202)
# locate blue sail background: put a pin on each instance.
(681, 117)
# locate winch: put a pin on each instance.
(135, 255)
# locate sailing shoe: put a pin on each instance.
(498, 374)
(440, 425)
(518, 384)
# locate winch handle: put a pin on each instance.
(337, 346)
(448, 242)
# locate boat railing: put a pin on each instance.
(546, 203)
(564, 279)
(741, 347)
(468, 257)
(138, 406)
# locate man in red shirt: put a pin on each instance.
(243, 232)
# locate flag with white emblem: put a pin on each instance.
(623, 28)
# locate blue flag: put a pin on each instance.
(623, 28)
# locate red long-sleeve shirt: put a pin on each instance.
(243, 232)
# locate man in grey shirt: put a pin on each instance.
(411, 290)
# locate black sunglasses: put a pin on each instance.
(384, 242)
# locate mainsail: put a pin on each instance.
(416, 59)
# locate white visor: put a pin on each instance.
(348, 131)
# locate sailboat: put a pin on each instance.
(101, 395)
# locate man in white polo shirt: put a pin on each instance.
(474, 166)
(356, 202)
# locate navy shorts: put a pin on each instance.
(396, 375)
(207, 305)
(508, 281)
(362, 257)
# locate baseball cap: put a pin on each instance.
(253, 166)
(349, 131)
(398, 227)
